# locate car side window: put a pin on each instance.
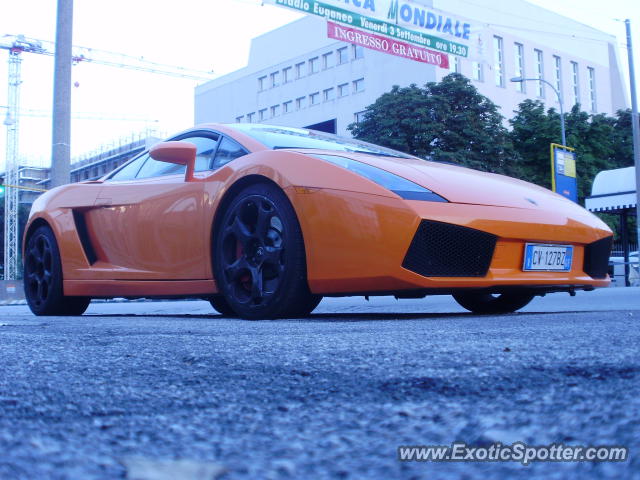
(131, 169)
(205, 147)
(227, 151)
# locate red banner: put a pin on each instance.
(387, 45)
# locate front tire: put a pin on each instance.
(488, 304)
(259, 256)
(220, 305)
(43, 278)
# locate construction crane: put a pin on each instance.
(11, 242)
(16, 45)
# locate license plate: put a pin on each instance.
(547, 258)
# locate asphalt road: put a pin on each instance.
(133, 390)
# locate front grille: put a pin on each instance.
(596, 258)
(445, 250)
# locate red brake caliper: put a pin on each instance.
(245, 279)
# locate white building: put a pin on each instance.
(297, 76)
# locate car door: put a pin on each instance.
(148, 222)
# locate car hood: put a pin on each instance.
(461, 185)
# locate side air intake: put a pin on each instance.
(83, 234)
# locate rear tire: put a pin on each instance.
(487, 303)
(259, 256)
(43, 286)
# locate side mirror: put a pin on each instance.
(180, 153)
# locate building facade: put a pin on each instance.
(297, 76)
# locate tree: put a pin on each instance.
(532, 132)
(622, 139)
(601, 143)
(447, 121)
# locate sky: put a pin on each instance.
(110, 104)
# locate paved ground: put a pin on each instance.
(331, 396)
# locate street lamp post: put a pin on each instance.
(635, 124)
(520, 79)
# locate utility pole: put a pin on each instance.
(636, 125)
(61, 143)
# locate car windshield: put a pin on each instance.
(285, 137)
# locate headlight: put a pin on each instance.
(398, 185)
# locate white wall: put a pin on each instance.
(518, 21)
(237, 94)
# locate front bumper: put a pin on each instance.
(358, 243)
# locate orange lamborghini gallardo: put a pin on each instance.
(264, 221)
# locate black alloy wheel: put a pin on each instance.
(259, 256)
(43, 277)
(488, 303)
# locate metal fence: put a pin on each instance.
(618, 249)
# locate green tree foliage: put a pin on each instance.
(532, 133)
(601, 143)
(447, 121)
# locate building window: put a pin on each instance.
(557, 77)
(287, 106)
(498, 53)
(454, 64)
(343, 55)
(286, 75)
(592, 89)
(275, 111)
(300, 70)
(519, 64)
(239, 119)
(301, 102)
(314, 65)
(540, 73)
(329, 94)
(262, 114)
(477, 72)
(262, 83)
(359, 116)
(575, 82)
(275, 79)
(314, 98)
(358, 52)
(343, 90)
(250, 117)
(358, 85)
(327, 60)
